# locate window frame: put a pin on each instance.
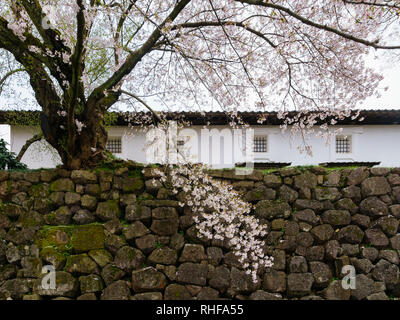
(120, 142)
(264, 136)
(350, 142)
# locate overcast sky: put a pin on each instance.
(388, 66)
(390, 99)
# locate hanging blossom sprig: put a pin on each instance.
(220, 214)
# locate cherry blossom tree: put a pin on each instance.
(83, 57)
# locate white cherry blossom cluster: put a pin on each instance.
(20, 26)
(79, 125)
(220, 214)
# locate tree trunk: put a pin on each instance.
(88, 146)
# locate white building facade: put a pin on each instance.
(376, 139)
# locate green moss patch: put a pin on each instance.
(69, 239)
(86, 238)
(132, 184)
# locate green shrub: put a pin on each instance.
(8, 159)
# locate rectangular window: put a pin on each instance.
(343, 144)
(114, 145)
(260, 144)
(180, 143)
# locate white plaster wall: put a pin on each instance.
(369, 143)
(39, 155)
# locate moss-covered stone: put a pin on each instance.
(137, 212)
(5, 222)
(148, 279)
(272, 180)
(101, 257)
(72, 198)
(55, 258)
(12, 210)
(48, 175)
(127, 199)
(81, 264)
(93, 189)
(336, 217)
(135, 230)
(62, 216)
(164, 255)
(113, 243)
(108, 210)
(165, 227)
(4, 175)
(66, 285)
(129, 259)
(260, 193)
(4, 190)
(30, 219)
(272, 209)
(20, 236)
(58, 237)
(40, 190)
(118, 290)
(160, 203)
(83, 176)
(15, 288)
(42, 204)
(91, 283)
(63, 184)
(86, 238)
(105, 176)
(305, 180)
(111, 273)
(176, 292)
(7, 272)
(57, 198)
(32, 267)
(132, 184)
(88, 202)
(327, 193)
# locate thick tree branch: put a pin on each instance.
(7, 75)
(135, 57)
(76, 87)
(52, 42)
(50, 36)
(237, 54)
(316, 25)
(143, 103)
(45, 92)
(223, 23)
(374, 3)
(119, 29)
(27, 144)
(10, 42)
(39, 78)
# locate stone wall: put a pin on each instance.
(119, 234)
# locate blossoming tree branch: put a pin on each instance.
(83, 57)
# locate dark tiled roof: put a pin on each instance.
(371, 117)
(350, 164)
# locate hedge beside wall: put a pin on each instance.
(119, 234)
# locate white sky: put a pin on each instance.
(390, 68)
(390, 99)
